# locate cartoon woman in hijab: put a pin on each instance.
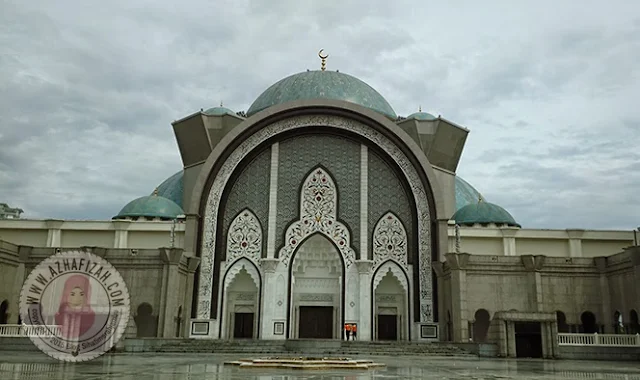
(75, 316)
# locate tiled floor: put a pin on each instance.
(27, 366)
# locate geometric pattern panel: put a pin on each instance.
(221, 181)
(244, 238)
(389, 241)
(318, 201)
(386, 193)
(250, 191)
(340, 156)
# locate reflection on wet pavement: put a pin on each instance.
(32, 366)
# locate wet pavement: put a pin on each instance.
(35, 365)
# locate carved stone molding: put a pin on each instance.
(389, 241)
(364, 266)
(395, 270)
(239, 265)
(312, 297)
(210, 219)
(269, 265)
(244, 238)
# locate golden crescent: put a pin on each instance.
(320, 54)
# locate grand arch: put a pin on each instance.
(349, 124)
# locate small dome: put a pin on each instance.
(465, 193)
(172, 188)
(483, 213)
(422, 116)
(322, 85)
(219, 111)
(150, 206)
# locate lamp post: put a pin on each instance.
(635, 236)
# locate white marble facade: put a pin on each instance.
(316, 263)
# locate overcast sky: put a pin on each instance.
(549, 89)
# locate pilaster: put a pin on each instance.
(54, 235)
(533, 265)
(121, 239)
(509, 241)
(458, 264)
(269, 299)
(273, 201)
(605, 295)
(169, 303)
(575, 242)
(192, 265)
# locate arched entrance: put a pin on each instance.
(241, 300)
(588, 320)
(317, 277)
(482, 319)
(390, 303)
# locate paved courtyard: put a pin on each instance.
(34, 365)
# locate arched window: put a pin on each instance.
(146, 322)
(481, 325)
(618, 325)
(563, 327)
(588, 320)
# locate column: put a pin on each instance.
(575, 242)
(268, 299)
(54, 237)
(365, 320)
(511, 339)
(192, 265)
(606, 317)
(273, 201)
(23, 255)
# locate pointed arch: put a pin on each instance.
(389, 241)
(244, 238)
(396, 271)
(236, 267)
(318, 214)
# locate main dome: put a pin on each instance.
(322, 85)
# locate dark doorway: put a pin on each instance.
(4, 317)
(146, 322)
(589, 325)
(243, 326)
(387, 327)
(561, 319)
(481, 325)
(634, 326)
(316, 322)
(528, 339)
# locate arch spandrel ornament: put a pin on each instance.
(389, 241)
(244, 238)
(418, 190)
(318, 214)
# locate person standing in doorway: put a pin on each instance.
(348, 331)
(354, 331)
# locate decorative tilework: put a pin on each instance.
(389, 241)
(386, 193)
(341, 157)
(244, 238)
(318, 201)
(250, 191)
(298, 122)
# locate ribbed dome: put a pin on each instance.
(423, 116)
(322, 85)
(151, 206)
(483, 213)
(466, 194)
(172, 188)
(219, 111)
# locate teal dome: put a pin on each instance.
(466, 194)
(483, 213)
(151, 206)
(322, 85)
(422, 116)
(172, 188)
(219, 111)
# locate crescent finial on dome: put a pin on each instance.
(323, 65)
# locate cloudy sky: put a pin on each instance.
(549, 89)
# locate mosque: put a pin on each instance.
(319, 206)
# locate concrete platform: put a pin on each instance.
(37, 366)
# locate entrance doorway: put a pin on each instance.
(528, 339)
(387, 327)
(243, 326)
(316, 322)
